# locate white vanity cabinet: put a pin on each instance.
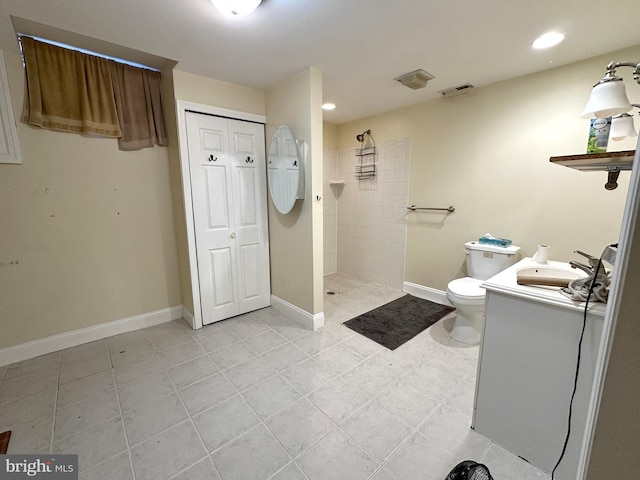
(526, 371)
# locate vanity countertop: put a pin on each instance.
(505, 282)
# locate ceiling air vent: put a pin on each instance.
(416, 79)
(457, 91)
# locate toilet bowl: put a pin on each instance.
(467, 295)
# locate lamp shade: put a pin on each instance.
(622, 127)
(607, 98)
(237, 8)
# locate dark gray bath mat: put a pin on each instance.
(399, 321)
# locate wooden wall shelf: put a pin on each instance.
(592, 162)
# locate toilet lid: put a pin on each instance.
(467, 287)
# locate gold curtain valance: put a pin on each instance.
(76, 92)
(67, 90)
(139, 106)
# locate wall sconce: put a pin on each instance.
(609, 97)
(622, 126)
(237, 8)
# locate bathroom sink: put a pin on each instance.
(550, 272)
(547, 276)
(537, 288)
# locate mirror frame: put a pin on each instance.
(285, 169)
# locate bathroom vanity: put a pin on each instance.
(526, 371)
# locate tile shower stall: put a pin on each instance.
(365, 220)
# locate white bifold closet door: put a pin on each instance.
(229, 196)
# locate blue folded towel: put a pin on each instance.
(498, 242)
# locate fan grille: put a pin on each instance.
(469, 470)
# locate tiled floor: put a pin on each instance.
(256, 397)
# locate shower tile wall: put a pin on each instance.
(371, 216)
(330, 208)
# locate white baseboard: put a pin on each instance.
(426, 293)
(308, 320)
(42, 346)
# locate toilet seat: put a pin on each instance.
(467, 288)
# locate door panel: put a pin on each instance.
(221, 268)
(216, 193)
(212, 140)
(249, 269)
(228, 185)
(250, 201)
(248, 207)
(243, 143)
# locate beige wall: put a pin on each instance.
(173, 151)
(330, 135)
(206, 91)
(209, 91)
(87, 231)
(488, 155)
(296, 238)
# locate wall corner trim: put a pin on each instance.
(188, 317)
(42, 346)
(426, 293)
(8, 129)
(306, 319)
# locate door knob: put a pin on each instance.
(233, 235)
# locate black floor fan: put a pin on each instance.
(469, 470)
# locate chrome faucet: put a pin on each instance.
(593, 261)
(592, 267)
(582, 266)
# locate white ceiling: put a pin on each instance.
(360, 45)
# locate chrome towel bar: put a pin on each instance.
(448, 209)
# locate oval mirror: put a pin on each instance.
(285, 169)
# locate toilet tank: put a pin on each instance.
(485, 261)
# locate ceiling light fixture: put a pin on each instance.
(547, 40)
(237, 8)
(328, 106)
(609, 96)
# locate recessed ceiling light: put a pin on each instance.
(328, 106)
(548, 40)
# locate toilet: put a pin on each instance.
(483, 262)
